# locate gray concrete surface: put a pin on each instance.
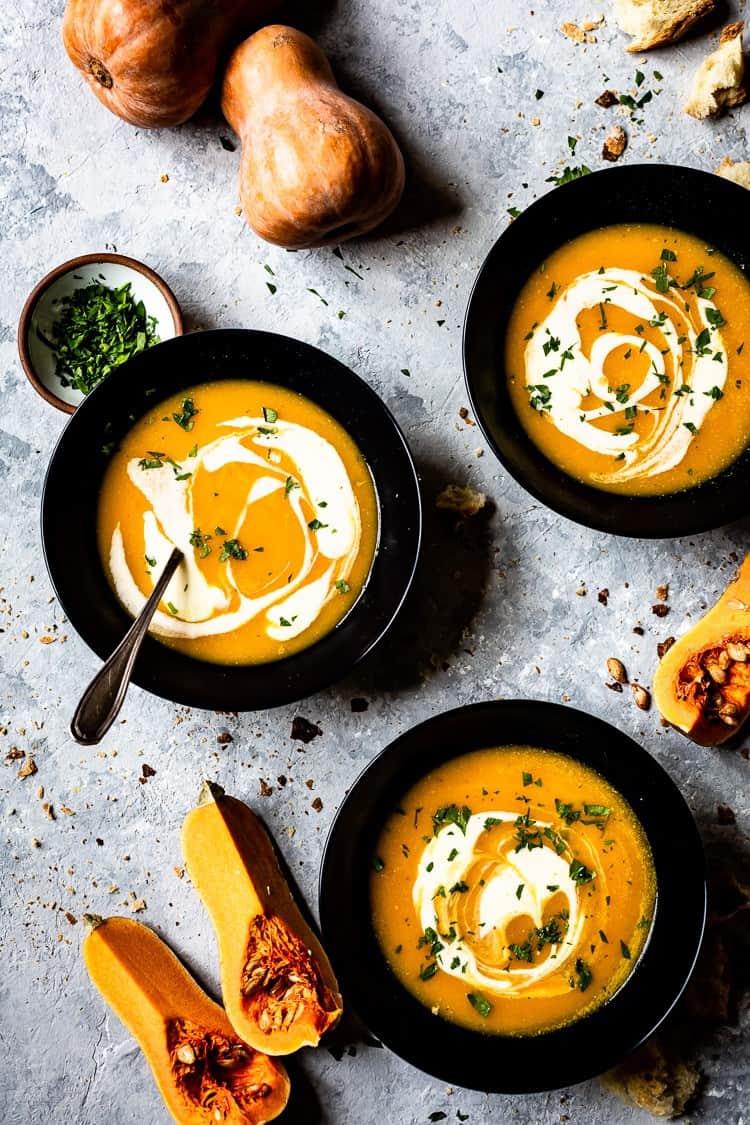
(497, 609)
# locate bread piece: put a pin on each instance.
(654, 23)
(655, 1079)
(739, 173)
(719, 80)
(464, 501)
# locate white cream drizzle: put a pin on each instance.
(481, 916)
(204, 609)
(578, 375)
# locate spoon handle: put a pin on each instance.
(101, 702)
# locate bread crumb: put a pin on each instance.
(615, 143)
(464, 501)
(738, 173)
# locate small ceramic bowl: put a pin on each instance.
(42, 307)
(517, 1064)
(700, 203)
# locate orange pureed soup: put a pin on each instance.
(512, 890)
(272, 504)
(625, 359)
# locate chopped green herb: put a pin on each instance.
(316, 525)
(451, 814)
(624, 950)
(172, 608)
(377, 863)
(185, 418)
(291, 484)
(583, 975)
(150, 561)
(479, 1003)
(580, 874)
(98, 328)
(342, 586)
(519, 890)
(232, 549)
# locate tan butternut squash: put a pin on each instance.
(204, 1072)
(317, 167)
(702, 685)
(152, 62)
(278, 986)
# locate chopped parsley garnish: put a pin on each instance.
(661, 278)
(668, 256)
(459, 888)
(624, 950)
(98, 328)
(527, 778)
(580, 874)
(583, 975)
(290, 485)
(150, 561)
(172, 608)
(568, 174)
(691, 426)
(377, 863)
(479, 1003)
(270, 415)
(451, 814)
(342, 586)
(200, 542)
(316, 525)
(428, 971)
(185, 418)
(232, 549)
(519, 890)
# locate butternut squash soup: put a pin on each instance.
(512, 890)
(625, 359)
(272, 504)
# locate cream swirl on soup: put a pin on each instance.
(687, 369)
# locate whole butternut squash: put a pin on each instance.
(278, 986)
(702, 685)
(152, 62)
(317, 167)
(203, 1071)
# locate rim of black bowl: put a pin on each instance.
(700, 203)
(553, 1059)
(69, 504)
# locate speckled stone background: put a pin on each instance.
(505, 606)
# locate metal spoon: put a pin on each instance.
(101, 702)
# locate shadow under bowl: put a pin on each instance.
(74, 478)
(566, 1055)
(705, 205)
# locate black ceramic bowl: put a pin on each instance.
(71, 490)
(514, 1064)
(708, 206)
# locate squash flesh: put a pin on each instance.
(702, 685)
(278, 986)
(204, 1072)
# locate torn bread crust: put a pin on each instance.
(738, 173)
(719, 80)
(615, 143)
(655, 23)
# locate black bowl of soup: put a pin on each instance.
(604, 350)
(285, 481)
(513, 896)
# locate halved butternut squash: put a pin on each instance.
(204, 1072)
(278, 985)
(702, 685)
